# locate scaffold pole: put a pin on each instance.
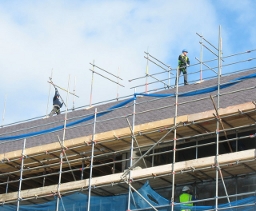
(59, 183)
(21, 174)
(174, 138)
(131, 153)
(49, 94)
(92, 157)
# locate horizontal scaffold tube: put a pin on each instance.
(136, 174)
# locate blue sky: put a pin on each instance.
(40, 38)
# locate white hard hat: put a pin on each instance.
(185, 188)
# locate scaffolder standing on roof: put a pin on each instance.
(183, 63)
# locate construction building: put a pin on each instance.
(202, 135)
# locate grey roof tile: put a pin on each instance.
(117, 118)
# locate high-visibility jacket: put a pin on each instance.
(185, 197)
(183, 61)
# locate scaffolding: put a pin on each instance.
(108, 157)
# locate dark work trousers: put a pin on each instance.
(184, 72)
(55, 109)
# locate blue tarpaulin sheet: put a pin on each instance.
(79, 201)
(125, 102)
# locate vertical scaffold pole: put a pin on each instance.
(82, 171)
(74, 91)
(201, 61)
(49, 95)
(218, 124)
(21, 173)
(153, 157)
(66, 113)
(131, 152)
(59, 183)
(44, 177)
(117, 88)
(169, 76)
(7, 185)
(174, 139)
(146, 89)
(92, 83)
(91, 166)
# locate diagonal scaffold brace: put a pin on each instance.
(63, 151)
(123, 176)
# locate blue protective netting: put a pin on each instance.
(185, 94)
(79, 201)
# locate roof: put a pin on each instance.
(109, 121)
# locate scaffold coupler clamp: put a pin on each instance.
(5, 159)
(130, 180)
(253, 135)
(154, 175)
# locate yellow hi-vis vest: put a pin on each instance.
(185, 197)
(183, 60)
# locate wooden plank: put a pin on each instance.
(136, 174)
(229, 110)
